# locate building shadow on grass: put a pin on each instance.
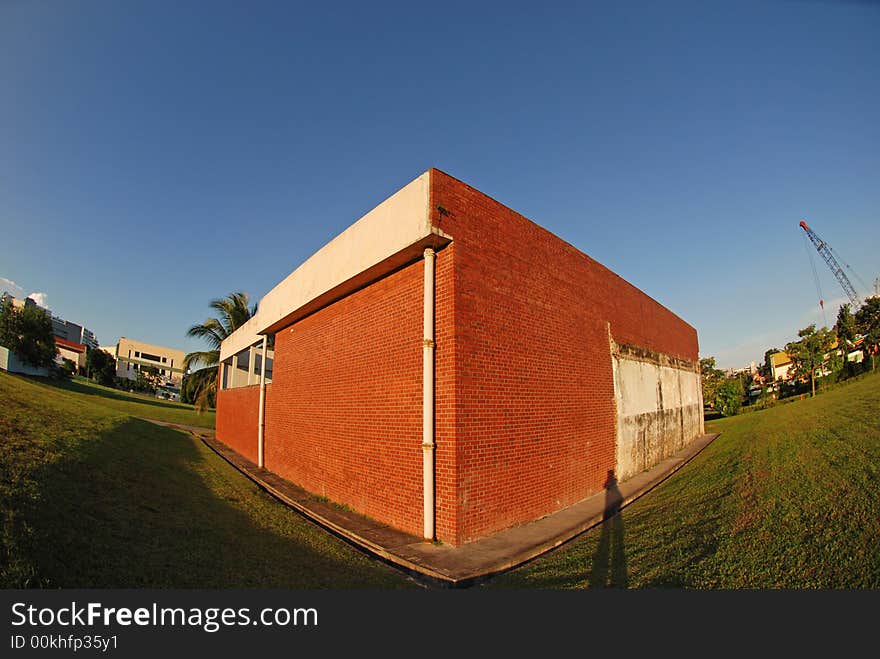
(141, 506)
(609, 561)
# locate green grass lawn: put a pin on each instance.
(93, 497)
(140, 405)
(787, 497)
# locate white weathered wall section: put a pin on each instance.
(659, 407)
(396, 224)
(10, 362)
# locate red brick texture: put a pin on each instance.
(535, 411)
(525, 412)
(238, 418)
(345, 417)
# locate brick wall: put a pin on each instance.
(345, 417)
(525, 410)
(534, 395)
(237, 418)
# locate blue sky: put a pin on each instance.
(154, 155)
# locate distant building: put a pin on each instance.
(780, 365)
(751, 369)
(62, 329)
(75, 352)
(19, 303)
(133, 356)
(855, 354)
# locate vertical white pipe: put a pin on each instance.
(262, 412)
(428, 397)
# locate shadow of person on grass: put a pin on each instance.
(609, 561)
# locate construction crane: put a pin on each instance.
(827, 254)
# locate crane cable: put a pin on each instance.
(849, 267)
(816, 279)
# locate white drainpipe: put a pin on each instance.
(262, 412)
(428, 397)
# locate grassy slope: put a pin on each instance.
(91, 497)
(786, 498)
(140, 405)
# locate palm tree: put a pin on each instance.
(232, 312)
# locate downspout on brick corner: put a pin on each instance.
(261, 461)
(428, 399)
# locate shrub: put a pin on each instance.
(728, 399)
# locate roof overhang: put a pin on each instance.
(69, 345)
(388, 237)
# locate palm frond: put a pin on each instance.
(204, 383)
(211, 330)
(207, 358)
(233, 311)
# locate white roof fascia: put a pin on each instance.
(399, 223)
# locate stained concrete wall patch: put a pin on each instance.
(659, 407)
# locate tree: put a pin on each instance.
(101, 367)
(189, 389)
(845, 327)
(710, 378)
(8, 324)
(147, 379)
(808, 354)
(232, 312)
(728, 399)
(28, 333)
(868, 324)
(66, 370)
(764, 368)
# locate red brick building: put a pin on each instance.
(450, 368)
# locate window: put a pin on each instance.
(242, 360)
(152, 358)
(163, 360)
(136, 353)
(226, 374)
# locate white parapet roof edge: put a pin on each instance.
(395, 227)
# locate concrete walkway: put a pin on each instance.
(440, 564)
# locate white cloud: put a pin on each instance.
(11, 287)
(39, 298)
